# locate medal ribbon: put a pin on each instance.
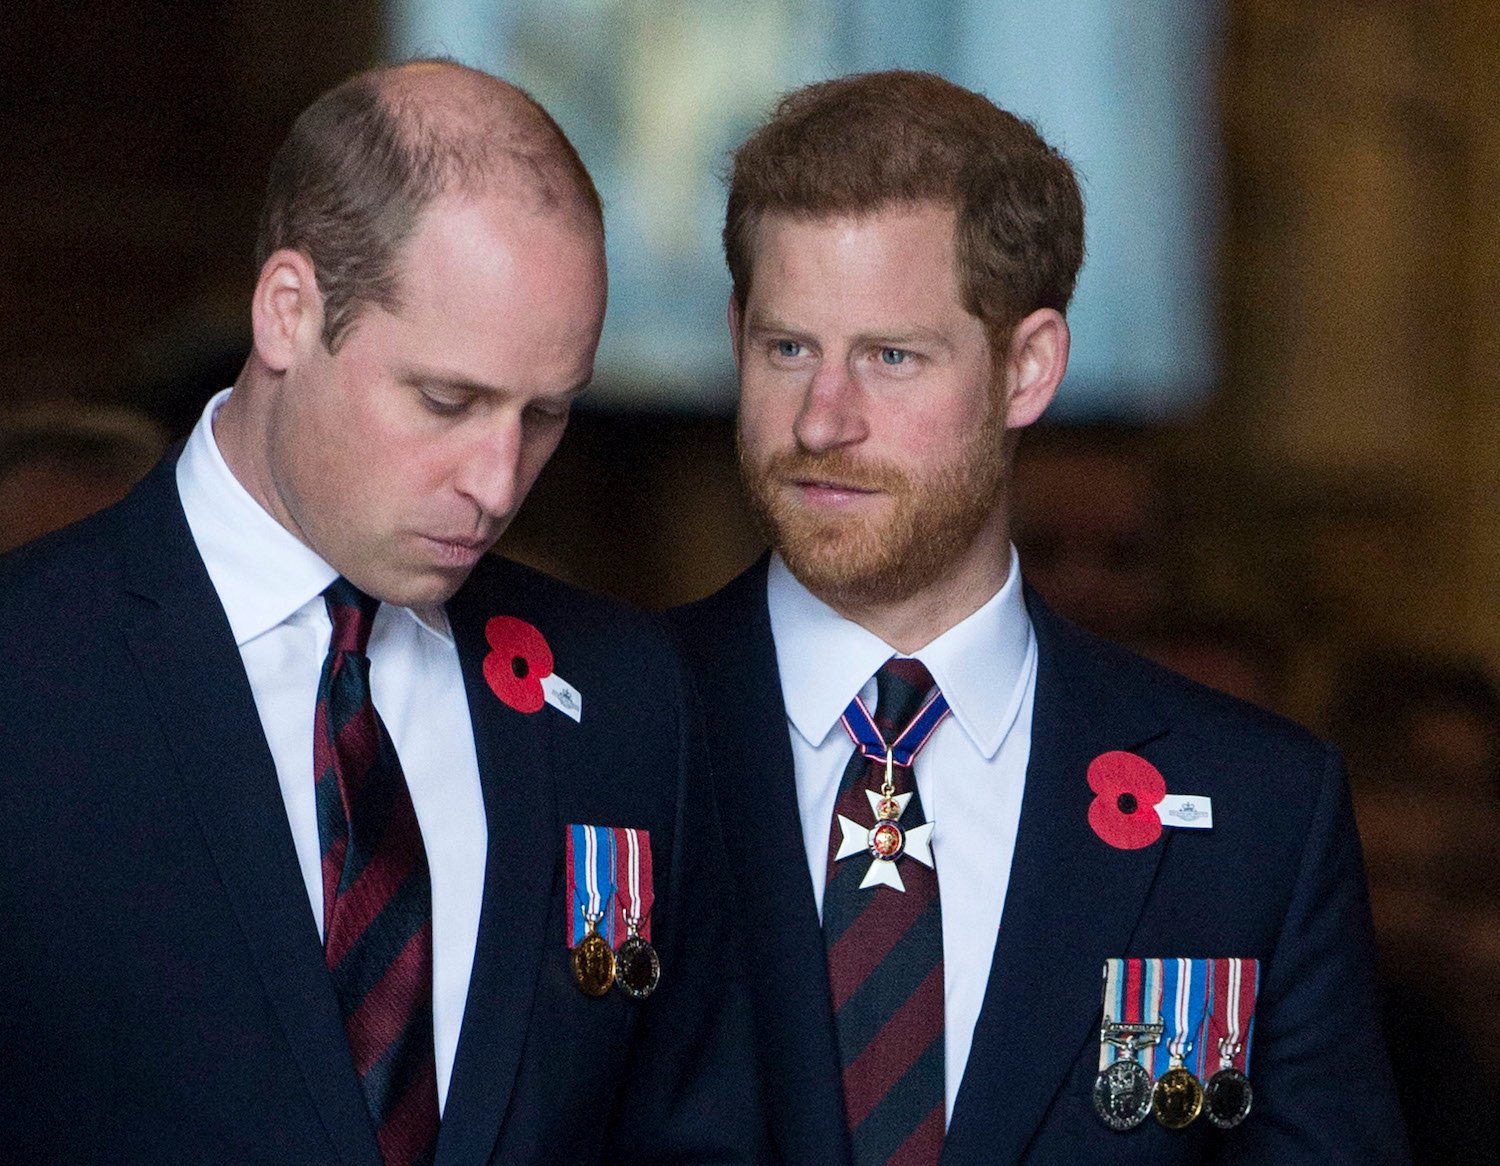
(1114, 1009)
(860, 726)
(1186, 985)
(632, 875)
(1132, 995)
(591, 885)
(1236, 983)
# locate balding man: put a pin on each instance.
(325, 837)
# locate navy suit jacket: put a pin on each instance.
(1278, 878)
(163, 996)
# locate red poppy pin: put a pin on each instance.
(519, 669)
(1131, 803)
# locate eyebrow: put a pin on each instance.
(762, 325)
(420, 377)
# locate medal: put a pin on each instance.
(591, 863)
(1228, 1095)
(887, 841)
(1123, 1093)
(594, 962)
(637, 969)
(1178, 1097)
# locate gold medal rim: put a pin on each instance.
(586, 982)
(1173, 1083)
(1142, 1112)
(637, 944)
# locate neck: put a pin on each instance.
(239, 429)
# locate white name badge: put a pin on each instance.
(1190, 810)
(562, 696)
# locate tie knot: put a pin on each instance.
(352, 613)
(901, 686)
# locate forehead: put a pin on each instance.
(902, 255)
(485, 285)
(493, 244)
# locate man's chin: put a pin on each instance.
(427, 588)
(841, 563)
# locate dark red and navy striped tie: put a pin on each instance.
(377, 893)
(885, 961)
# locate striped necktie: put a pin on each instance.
(377, 893)
(885, 961)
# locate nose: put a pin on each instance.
(833, 410)
(489, 469)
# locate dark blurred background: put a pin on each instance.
(1312, 522)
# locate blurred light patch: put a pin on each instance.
(655, 94)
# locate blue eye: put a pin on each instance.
(789, 349)
(894, 356)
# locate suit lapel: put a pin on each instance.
(514, 752)
(180, 640)
(1072, 902)
(757, 797)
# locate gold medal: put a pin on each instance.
(593, 962)
(1177, 1099)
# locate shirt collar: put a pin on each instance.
(262, 572)
(983, 664)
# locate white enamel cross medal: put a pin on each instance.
(887, 841)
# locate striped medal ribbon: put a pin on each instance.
(1177, 1098)
(591, 865)
(1132, 1025)
(637, 966)
(1234, 985)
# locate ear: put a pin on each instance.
(1034, 366)
(734, 329)
(286, 310)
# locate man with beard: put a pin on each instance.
(319, 826)
(944, 804)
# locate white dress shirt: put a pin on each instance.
(970, 775)
(271, 585)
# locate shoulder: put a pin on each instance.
(725, 621)
(1102, 668)
(57, 570)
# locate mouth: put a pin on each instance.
(456, 552)
(830, 492)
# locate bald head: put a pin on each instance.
(363, 161)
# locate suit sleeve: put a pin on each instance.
(691, 1093)
(1319, 1066)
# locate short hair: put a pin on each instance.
(858, 144)
(366, 158)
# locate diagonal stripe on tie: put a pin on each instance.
(868, 1078)
(901, 1123)
(868, 939)
(870, 1004)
